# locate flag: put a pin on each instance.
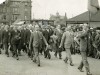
(93, 6)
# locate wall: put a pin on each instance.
(95, 24)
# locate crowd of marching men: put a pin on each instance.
(16, 39)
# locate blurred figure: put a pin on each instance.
(6, 40)
(97, 44)
(83, 49)
(15, 39)
(58, 33)
(36, 40)
(1, 42)
(66, 42)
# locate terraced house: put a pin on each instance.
(12, 10)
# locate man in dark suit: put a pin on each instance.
(83, 49)
(58, 33)
(21, 41)
(15, 38)
(27, 39)
(46, 35)
(36, 40)
(5, 39)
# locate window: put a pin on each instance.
(26, 3)
(15, 10)
(4, 10)
(0, 9)
(26, 9)
(15, 2)
(25, 17)
(4, 17)
(14, 17)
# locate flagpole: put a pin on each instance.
(89, 19)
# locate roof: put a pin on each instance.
(41, 20)
(84, 17)
(20, 0)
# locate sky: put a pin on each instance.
(41, 9)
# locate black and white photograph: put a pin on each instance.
(49, 37)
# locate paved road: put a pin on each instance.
(94, 66)
(10, 66)
(54, 66)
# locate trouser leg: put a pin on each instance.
(55, 54)
(85, 62)
(36, 57)
(45, 54)
(68, 55)
(41, 51)
(0, 50)
(59, 52)
(6, 49)
(15, 51)
(49, 55)
(60, 55)
(19, 52)
(32, 54)
(81, 65)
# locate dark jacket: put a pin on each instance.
(83, 41)
(14, 37)
(36, 39)
(5, 36)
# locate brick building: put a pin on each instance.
(12, 10)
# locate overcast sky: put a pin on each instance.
(43, 8)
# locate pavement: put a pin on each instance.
(54, 66)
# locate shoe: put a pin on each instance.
(49, 57)
(34, 61)
(31, 58)
(88, 73)
(38, 65)
(65, 61)
(55, 55)
(60, 58)
(45, 56)
(17, 58)
(7, 55)
(71, 64)
(80, 70)
(19, 54)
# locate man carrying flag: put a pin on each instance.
(93, 6)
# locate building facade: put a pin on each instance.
(12, 10)
(58, 19)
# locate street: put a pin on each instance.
(54, 66)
